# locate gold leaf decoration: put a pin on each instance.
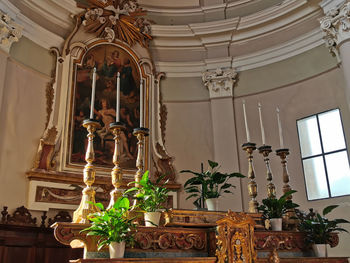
(116, 19)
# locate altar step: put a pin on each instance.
(206, 260)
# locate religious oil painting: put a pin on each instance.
(109, 60)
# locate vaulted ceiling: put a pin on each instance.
(195, 35)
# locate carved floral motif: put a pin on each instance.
(220, 82)
(336, 27)
(163, 240)
(116, 19)
(10, 32)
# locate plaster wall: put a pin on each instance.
(23, 115)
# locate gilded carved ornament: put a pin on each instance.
(336, 27)
(116, 19)
(235, 239)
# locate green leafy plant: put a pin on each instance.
(112, 225)
(209, 184)
(151, 196)
(318, 228)
(276, 208)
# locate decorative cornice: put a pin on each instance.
(336, 27)
(31, 30)
(10, 32)
(220, 82)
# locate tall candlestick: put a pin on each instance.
(118, 99)
(245, 122)
(280, 128)
(141, 103)
(93, 93)
(261, 125)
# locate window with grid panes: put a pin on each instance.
(324, 155)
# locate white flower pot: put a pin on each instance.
(116, 250)
(276, 224)
(152, 218)
(320, 250)
(212, 204)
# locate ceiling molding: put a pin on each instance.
(208, 45)
(261, 58)
(31, 30)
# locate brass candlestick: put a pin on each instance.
(287, 221)
(140, 133)
(117, 172)
(88, 199)
(252, 186)
(265, 150)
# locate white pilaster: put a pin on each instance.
(220, 84)
(336, 29)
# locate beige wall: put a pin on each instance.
(23, 115)
(189, 136)
(311, 96)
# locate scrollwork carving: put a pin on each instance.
(235, 238)
(336, 27)
(21, 217)
(111, 19)
(10, 32)
(220, 82)
(161, 240)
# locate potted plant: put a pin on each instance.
(318, 229)
(150, 197)
(209, 185)
(112, 226)
(274, 209)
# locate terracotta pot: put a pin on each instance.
(152, 218)
(276, 224)
(212, 204)
(116, 250)
(320, 250)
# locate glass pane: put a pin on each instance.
(331, 131)
(338, 173)
(309, 138)
(315, 178)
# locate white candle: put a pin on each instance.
(141, 103)
(93, 94)
(280, 128)
(117, 119)
(245, 122)
(261, 125)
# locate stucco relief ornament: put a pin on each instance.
(336, 27)
(116, 19)
(220, 82)
(10, 32)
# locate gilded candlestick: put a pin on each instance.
(140, 133)
(252, 186)
(287, 221)
(117, 171)
(265, 150)
(88, 199)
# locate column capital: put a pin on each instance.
(220, 82)
(10, 32)
(336, 24)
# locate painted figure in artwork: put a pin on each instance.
(108, 60)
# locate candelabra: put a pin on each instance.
(288, 218)
(265, 150)
(117, 172)
(252, 186)
(140, 133)
(88, 199)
